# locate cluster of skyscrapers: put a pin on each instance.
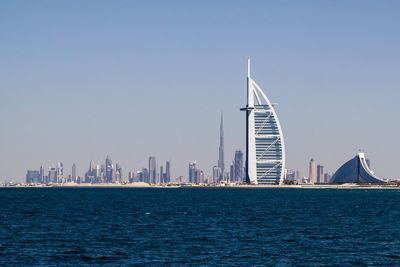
(219, 174)
(105, 172)
(235, 175)
(316, 174)
(55, 174)
(102, 173)
(97, 173)
(150, 175)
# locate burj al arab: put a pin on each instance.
(265, 147)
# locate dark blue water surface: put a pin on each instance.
(199, 226)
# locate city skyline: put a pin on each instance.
(82, 81)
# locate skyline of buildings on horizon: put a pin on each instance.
(107, 172)
(264, 163)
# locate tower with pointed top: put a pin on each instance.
(221, 164)
(265, 149)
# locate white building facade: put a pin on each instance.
(265, 148)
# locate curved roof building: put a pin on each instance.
(265, 149)
(355, 170)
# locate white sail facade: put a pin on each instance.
(265, 148)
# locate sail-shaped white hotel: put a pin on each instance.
(265, 147)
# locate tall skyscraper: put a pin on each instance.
(232, 172)
(238, 169)
(109, 170)
(265, 148)
(320, 174)
(167, 172)
(52, 177)
(73, 173)
(102, 177)
(199, 176)
(216, 174)
(221, 163)
(162, 174)
(131, 177)
(144, 176)
(312, 171)
(118, 173)
(192, 172)
(99, 173)
(91, 174)
(152, 170)
(60, 172)
(42, 175)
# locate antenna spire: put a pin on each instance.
(248, 67)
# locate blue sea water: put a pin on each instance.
(199, 226)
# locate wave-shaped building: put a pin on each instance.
(265, 148)
(356, 171)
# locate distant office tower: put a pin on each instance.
(265, 149)
(312, 171)
(199, 176)
(327, 177)
(290, 175)
(167, 172)
(192, 172)
(298, 176)
(216, 174)
(152, 170)
(131, 177)
(162, 174)
(73, 173)
(118, 173)
(145, 175)
(221, 163)
(91, 174)
(232, 172)
(320, 174)
(99, 174)
(140, 176)
(109, 170)
(92, 167)
(52, 177)
(60, 172)
(33, 177)
(42, 175)
(238, 168)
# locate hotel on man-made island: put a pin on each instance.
(265, 148)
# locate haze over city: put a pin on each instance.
(83, 80)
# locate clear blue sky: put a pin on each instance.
(83, 79)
